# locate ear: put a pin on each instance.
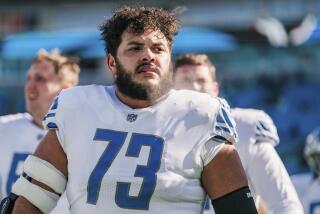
(111, 62)
(66, 85)
(215, 88)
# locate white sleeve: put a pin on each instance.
(265, 130)
(210, 150)
(271, 181)
(223, 131)
(225, 127)
(53, 119)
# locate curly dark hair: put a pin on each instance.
(137, 20)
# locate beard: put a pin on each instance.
(141, 90)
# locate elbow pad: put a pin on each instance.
(44, 172)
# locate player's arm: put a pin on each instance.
(223, 176)
(0, 188)
(270, 179)
(268, 175)
(49, 150)
(224, 180)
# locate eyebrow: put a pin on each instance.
(159, 44)
(135, 43)
(142, 44)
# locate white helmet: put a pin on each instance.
(312, 151)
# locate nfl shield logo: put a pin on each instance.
(132, 117)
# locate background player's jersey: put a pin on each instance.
(143, 160)
(265, 171)
(308, 189)
(1, 197)
(19, 138)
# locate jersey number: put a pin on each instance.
(148, 172)
(13, 174)
(315, 207)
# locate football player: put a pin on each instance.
(0, 188)
(265, 171)
(136, 146)
(308, 184)
(21, 133)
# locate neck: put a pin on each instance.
(136, 103)
(37, 120)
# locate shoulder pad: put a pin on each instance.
(265, 129)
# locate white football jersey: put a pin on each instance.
(266, 174)
(19, 138)
(123, 160)
(308, 189)
(1, 188)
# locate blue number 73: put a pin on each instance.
(148, 172)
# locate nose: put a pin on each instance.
(29, 85)
(148, 55)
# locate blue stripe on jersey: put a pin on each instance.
(55, 104)
(263, 130)
(52, 125)
(259, 128)
(207, 203)
(263, 126)
(223, 128)
(226, 117)
(220, 119)
(219, 138)
(49, 115)
(263, 137)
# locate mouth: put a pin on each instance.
(32, 96)
(147, 69)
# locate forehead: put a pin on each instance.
(150, 37)
(193, 70)
(43, 67)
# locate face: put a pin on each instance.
(197, 78)
(142, 67)
(41, 86)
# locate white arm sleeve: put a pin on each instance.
(53, 119)
(223, 131)
(271, 181)
(210, 150)
(265, 130)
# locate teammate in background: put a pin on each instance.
(137, 146)
(21, 133)
(0, 188)
(308, 184)
(265, 171)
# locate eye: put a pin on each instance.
(201, 81)
(39, 79)
(158, 49)
(135, 48)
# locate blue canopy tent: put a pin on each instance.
(87, 42)
(26, 45)
(315, 35)
(202, 40)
